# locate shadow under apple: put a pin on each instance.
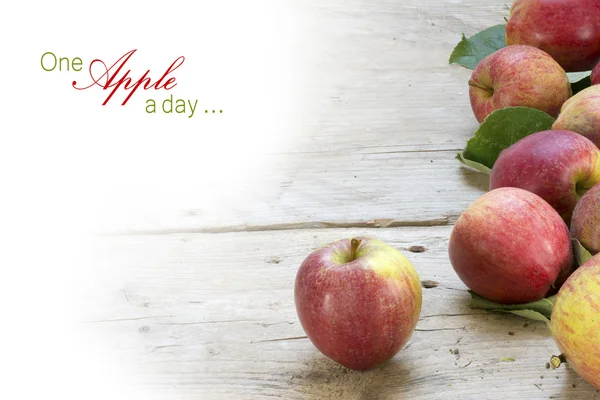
(325, 379)
(474, 178)
(574, 386)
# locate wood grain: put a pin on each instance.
(378, 116)
(335, 190)
(212, 316)
(197, 301)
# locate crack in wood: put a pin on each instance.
(375, 223)
(165, 346)
(281, 339)
(205, 322)
(124, 319)
(416, 151)
(453, 315)
(364, 151)
(441, 329)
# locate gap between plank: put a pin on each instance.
(377, 223)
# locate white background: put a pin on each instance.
(71, 167)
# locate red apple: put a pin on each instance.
(585, 225)
(568, 30)
(576, 321)
(558, 166)
(518, 76)
(596, 75)
(581, 114)
(511, 247)
(358, 301)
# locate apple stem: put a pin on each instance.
(478, 86)
(557, 361)
(354, 243)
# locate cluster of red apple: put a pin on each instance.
(546, 39)
(513, 245)
(359, 300)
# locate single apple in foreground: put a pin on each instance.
(511, 247)
(358, 301)
(558, 166)
(585, 225)
(596, 75)
(576, 321)
(581, 114)
(568, 30)
(518, 76)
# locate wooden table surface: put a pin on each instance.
(200, 305)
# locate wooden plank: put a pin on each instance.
(372, 96)
(212, 316)
(377, 118)
(393, 188)
(377, 74)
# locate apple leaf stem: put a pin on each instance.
(354, 243)
(557, 361)
(473, 164)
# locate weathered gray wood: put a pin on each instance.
(212, 316)
(373, 96)
(201, 305)
(332, 190)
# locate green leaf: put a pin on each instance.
(539, 310)
(469, 51)
(581, 253)
(503, 128)
(530, 314)
(473, 164)
(508, 359)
